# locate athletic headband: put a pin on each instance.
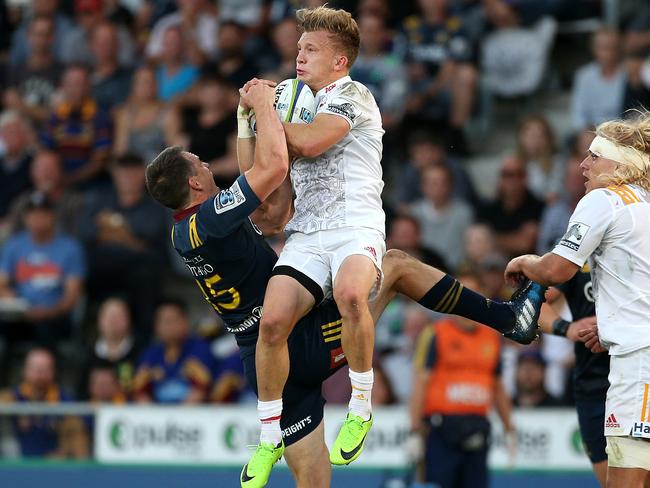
(605, 148)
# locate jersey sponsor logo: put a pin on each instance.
(229, 199)
(330, 88)
(612, 423)
(468, 394)
(248, 322)
(337, 357)
(575, 235)
(641, 429)
(345, 109)
(306, 115)
(298, 426)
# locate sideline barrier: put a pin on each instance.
(548, 439)
(140, 447)
(219, 436)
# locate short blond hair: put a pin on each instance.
(339, 24)
(633, 133)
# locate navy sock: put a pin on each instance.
(449, 296)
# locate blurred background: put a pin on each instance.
(488, 106)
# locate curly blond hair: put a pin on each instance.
(633, 133)
(339, 24)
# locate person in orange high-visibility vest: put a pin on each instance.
(457, 382)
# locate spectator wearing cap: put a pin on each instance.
(110, 81)
(78, 130)
(45, 269)
(32, 83)
(530, 376)
(47, 178)
(18, 140)
(20, 45)
(515, 212)
(122, 228)
(41, 436)
(598, 87)
(77, 46)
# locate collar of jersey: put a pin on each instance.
(181, 214)
(329, 87)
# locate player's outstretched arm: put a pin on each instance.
(547, 270)
(276, 210)
(312, 140)
(271, 159)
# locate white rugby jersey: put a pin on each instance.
(611, 227)
(342, 187)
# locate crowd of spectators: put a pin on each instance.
(91, 90)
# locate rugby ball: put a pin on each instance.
(294, 103)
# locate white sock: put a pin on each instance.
(361, 393)
(269, 414)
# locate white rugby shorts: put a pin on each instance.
(627, 409)
(319, 255)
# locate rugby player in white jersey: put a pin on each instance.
(336, 236)
(610, 227)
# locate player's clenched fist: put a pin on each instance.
(257, 95)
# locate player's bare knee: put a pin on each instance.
(351, 302)
(397, 262)
(394, 258)
(274, 330)
(467, 75)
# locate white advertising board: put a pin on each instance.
(547, 439)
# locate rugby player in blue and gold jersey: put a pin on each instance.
(216, 234)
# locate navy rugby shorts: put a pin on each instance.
(316, 354)
(591, 417)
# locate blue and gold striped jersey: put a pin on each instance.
(228, 257)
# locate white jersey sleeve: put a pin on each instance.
(345, 103)
(587, 226)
